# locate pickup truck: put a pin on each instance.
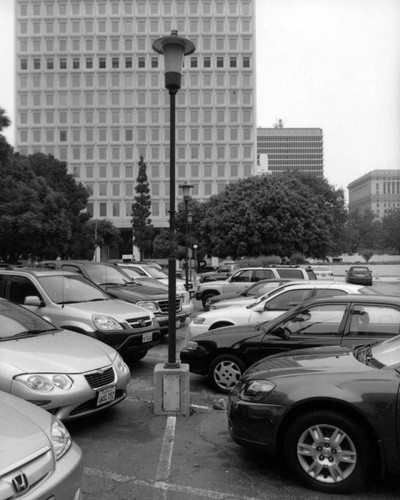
(246, 276)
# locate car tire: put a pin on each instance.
(225, 372)
(314, 459)
(205, 300)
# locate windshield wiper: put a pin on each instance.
(32, 333)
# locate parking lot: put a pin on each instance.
(129, 453)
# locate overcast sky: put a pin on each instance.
(331, 64)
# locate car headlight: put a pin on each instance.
(45, 382)
(212, 308)
(185, 296)
(198, 320)
(120, 364)
(60, 438)
(191, 346)
(105, 322)
(256, 390)
(150, 306)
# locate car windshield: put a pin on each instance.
(156, 273)
(15, 321)
(106, 275)
(73, 288)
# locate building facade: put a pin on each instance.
(90, 91)
(377, 191)
(290, 149)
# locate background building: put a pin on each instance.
(290, 149)
(90, 91)
(378, 191)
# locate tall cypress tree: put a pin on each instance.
(142, 228)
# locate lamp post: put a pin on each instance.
(190, 220)
(173, 48)
(195, 262)
(186, 187)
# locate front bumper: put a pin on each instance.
(197, 360)
(254, 425)
(163, 321)
(131, 339)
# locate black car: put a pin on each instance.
(331, 414)
(224, 354)
(359, 275)
(118, 285)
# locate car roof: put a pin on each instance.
(37, 272)
(353, 298)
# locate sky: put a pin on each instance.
(330, 64)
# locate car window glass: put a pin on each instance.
(139, 271)
(20, 288)
(291, 273)
(13, 320)
(328, 292)
(374, 320)
(287, 299)
(263, 274)
(69, 288)
(324, 319)
(242, 276)
(106, 274)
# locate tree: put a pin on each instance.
(143, 231)
(363, 231)
(5, 148)
(391, 230)
(279, 215)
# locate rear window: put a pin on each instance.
(291, 273)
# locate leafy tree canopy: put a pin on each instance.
(280, 215)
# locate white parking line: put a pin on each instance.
(164, 464)
(188, 491)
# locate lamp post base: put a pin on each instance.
(172, 393)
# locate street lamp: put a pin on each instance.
(186, 187)
(195, 262)
(173, 48)
(190, 220)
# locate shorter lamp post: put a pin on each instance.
(195, 262)
(190, 220)
(186, 187)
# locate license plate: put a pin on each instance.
(106, 395)
(147, 337)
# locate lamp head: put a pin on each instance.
(174, 48)
(186, 187)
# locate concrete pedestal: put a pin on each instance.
(172, 393)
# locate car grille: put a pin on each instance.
(92, 404)
(164, 305)
(27, 475)
(140, 322)
(100, 378)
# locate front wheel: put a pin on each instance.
(225, 372)
(327, 451)
(206, 300)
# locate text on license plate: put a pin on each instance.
(147, 337)
(106, 395)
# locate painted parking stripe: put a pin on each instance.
(188, 491)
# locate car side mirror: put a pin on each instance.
(33, 301)
(259, 308)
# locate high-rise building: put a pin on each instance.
(90, 91)
(377, 191)
(290, 149)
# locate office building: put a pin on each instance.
(90, 91)
(290, 149)
(377, 191)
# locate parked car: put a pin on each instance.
(152, 271)
(246, 276)
(270, 305)
(331, 413)
(224, 354)
(38, 457)
(322, 272)
(71, 301)
(359, 274)
(64, 372)
(221, 273)
(119, 285)
(247, 296)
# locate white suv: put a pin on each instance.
(246, 276)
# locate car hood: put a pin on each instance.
(319, 361)
(30, 438)
(231, 333)
(116, 308)
(60, 352)
(235, 302)
(135, 293)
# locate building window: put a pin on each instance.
(102, 62)
(220, 62)
(63, 63)
(36, 64)
(115, 62)
(75, 63)
(89, 63)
